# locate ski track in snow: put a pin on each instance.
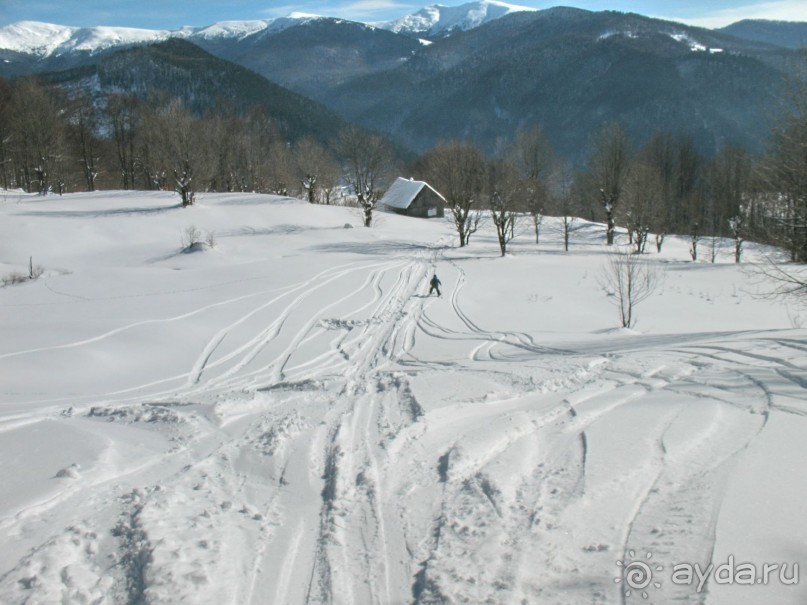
(300, 460)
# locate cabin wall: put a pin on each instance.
(426, 205)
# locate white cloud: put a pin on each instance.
(779, 10)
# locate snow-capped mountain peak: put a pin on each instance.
(231, 29)
(243, 29)
(93, 39)
(48, 39)
(436, 20)
(33, 37)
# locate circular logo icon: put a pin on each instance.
(637, 575)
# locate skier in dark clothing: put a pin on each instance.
(435, 285)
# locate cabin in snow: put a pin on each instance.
(412, 198)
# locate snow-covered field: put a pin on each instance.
(287, 417)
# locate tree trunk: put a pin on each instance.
(611, 226)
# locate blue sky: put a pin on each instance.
(159, 14)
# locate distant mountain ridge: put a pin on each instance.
(482, 71)
(183, 70)
(45, 40)
(571, 71)
(788, 34)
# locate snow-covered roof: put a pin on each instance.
(403, 192)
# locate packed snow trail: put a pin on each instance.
(289, 418)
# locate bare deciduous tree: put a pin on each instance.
(643, 201)
(786, 173)
(785, 204)
(679, 168)
(316, 170)
(781, 280)
(367, 160)
(694, 237)
(183, 148)
(505, 188)
(124, 119)
(230, 138)
(609, 166)
(457, 170)
(533, 157)
(564, 203)
(660, 154)
(37, 136)
(629, 279)
(7, 177)
(84, 122)
(280, 168)
(737, 226)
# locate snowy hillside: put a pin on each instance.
(45, 39)
(286, 417)
(437, 20)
